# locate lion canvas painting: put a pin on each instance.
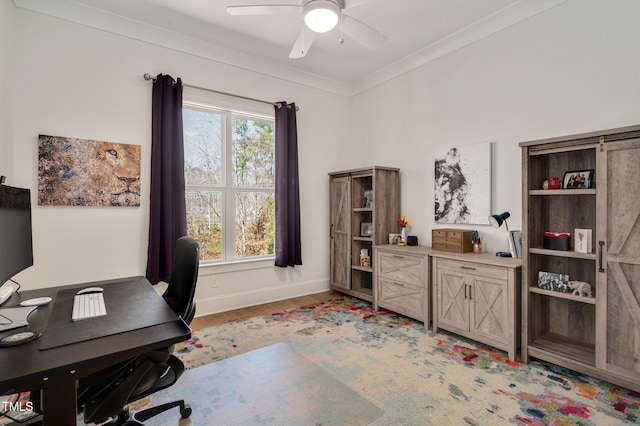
(79, 172)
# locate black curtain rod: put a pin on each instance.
(149, 77)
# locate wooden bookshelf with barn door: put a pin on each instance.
(593, 328)
(364, 207)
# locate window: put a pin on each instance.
(230, 175)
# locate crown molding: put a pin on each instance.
(498, 21)
(96, 18)
(71, 11)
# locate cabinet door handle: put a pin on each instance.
(398, 256)
(465, 291)
(470, 268)
(600, 268)
(470, 289)
(331, 232)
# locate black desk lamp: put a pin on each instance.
(496, 220)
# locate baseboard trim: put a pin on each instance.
(229, 302)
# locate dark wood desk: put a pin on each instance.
(55, 371)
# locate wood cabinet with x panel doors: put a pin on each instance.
(478, 296)
(596, 332)
(364, 207)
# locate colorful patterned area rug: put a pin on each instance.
(417, 377)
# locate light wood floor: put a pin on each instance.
(265, 309)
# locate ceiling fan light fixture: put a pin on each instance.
(321, 15)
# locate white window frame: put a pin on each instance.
(228, 108)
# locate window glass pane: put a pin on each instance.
(253, 152)
(202, 147)
(254, 222)
(204, 222)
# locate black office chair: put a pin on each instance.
(182, 282)
(106, 393)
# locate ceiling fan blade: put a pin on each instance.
(355, 3)
(302, 44)
(267, 9)
(362, 33)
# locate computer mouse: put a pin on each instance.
(91, 290)
(38, 301)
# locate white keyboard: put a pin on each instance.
(88, 306)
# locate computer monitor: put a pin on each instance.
(16, 249)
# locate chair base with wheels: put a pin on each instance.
(138, 417)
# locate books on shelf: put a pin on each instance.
(515, 244)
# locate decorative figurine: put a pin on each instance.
(580, 288)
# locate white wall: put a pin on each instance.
(574, 68)
(6, 80)
(571, 69)
(75, 81)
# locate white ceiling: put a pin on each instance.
(417, 32)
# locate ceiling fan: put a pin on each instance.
(320, 16)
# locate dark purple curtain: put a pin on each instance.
(288, 251)
(168, 216)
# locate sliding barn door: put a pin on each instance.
(340, 211)
(618, 258)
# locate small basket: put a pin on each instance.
(557, 241)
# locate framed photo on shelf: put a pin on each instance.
(367, 200)
(582, 243)
(578, 179)
(366, 229)
(394, 239)
(553, 282)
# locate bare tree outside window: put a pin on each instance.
(230, 173)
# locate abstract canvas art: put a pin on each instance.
(79, 172)
(463, 185)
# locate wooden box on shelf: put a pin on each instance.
(452, 240)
